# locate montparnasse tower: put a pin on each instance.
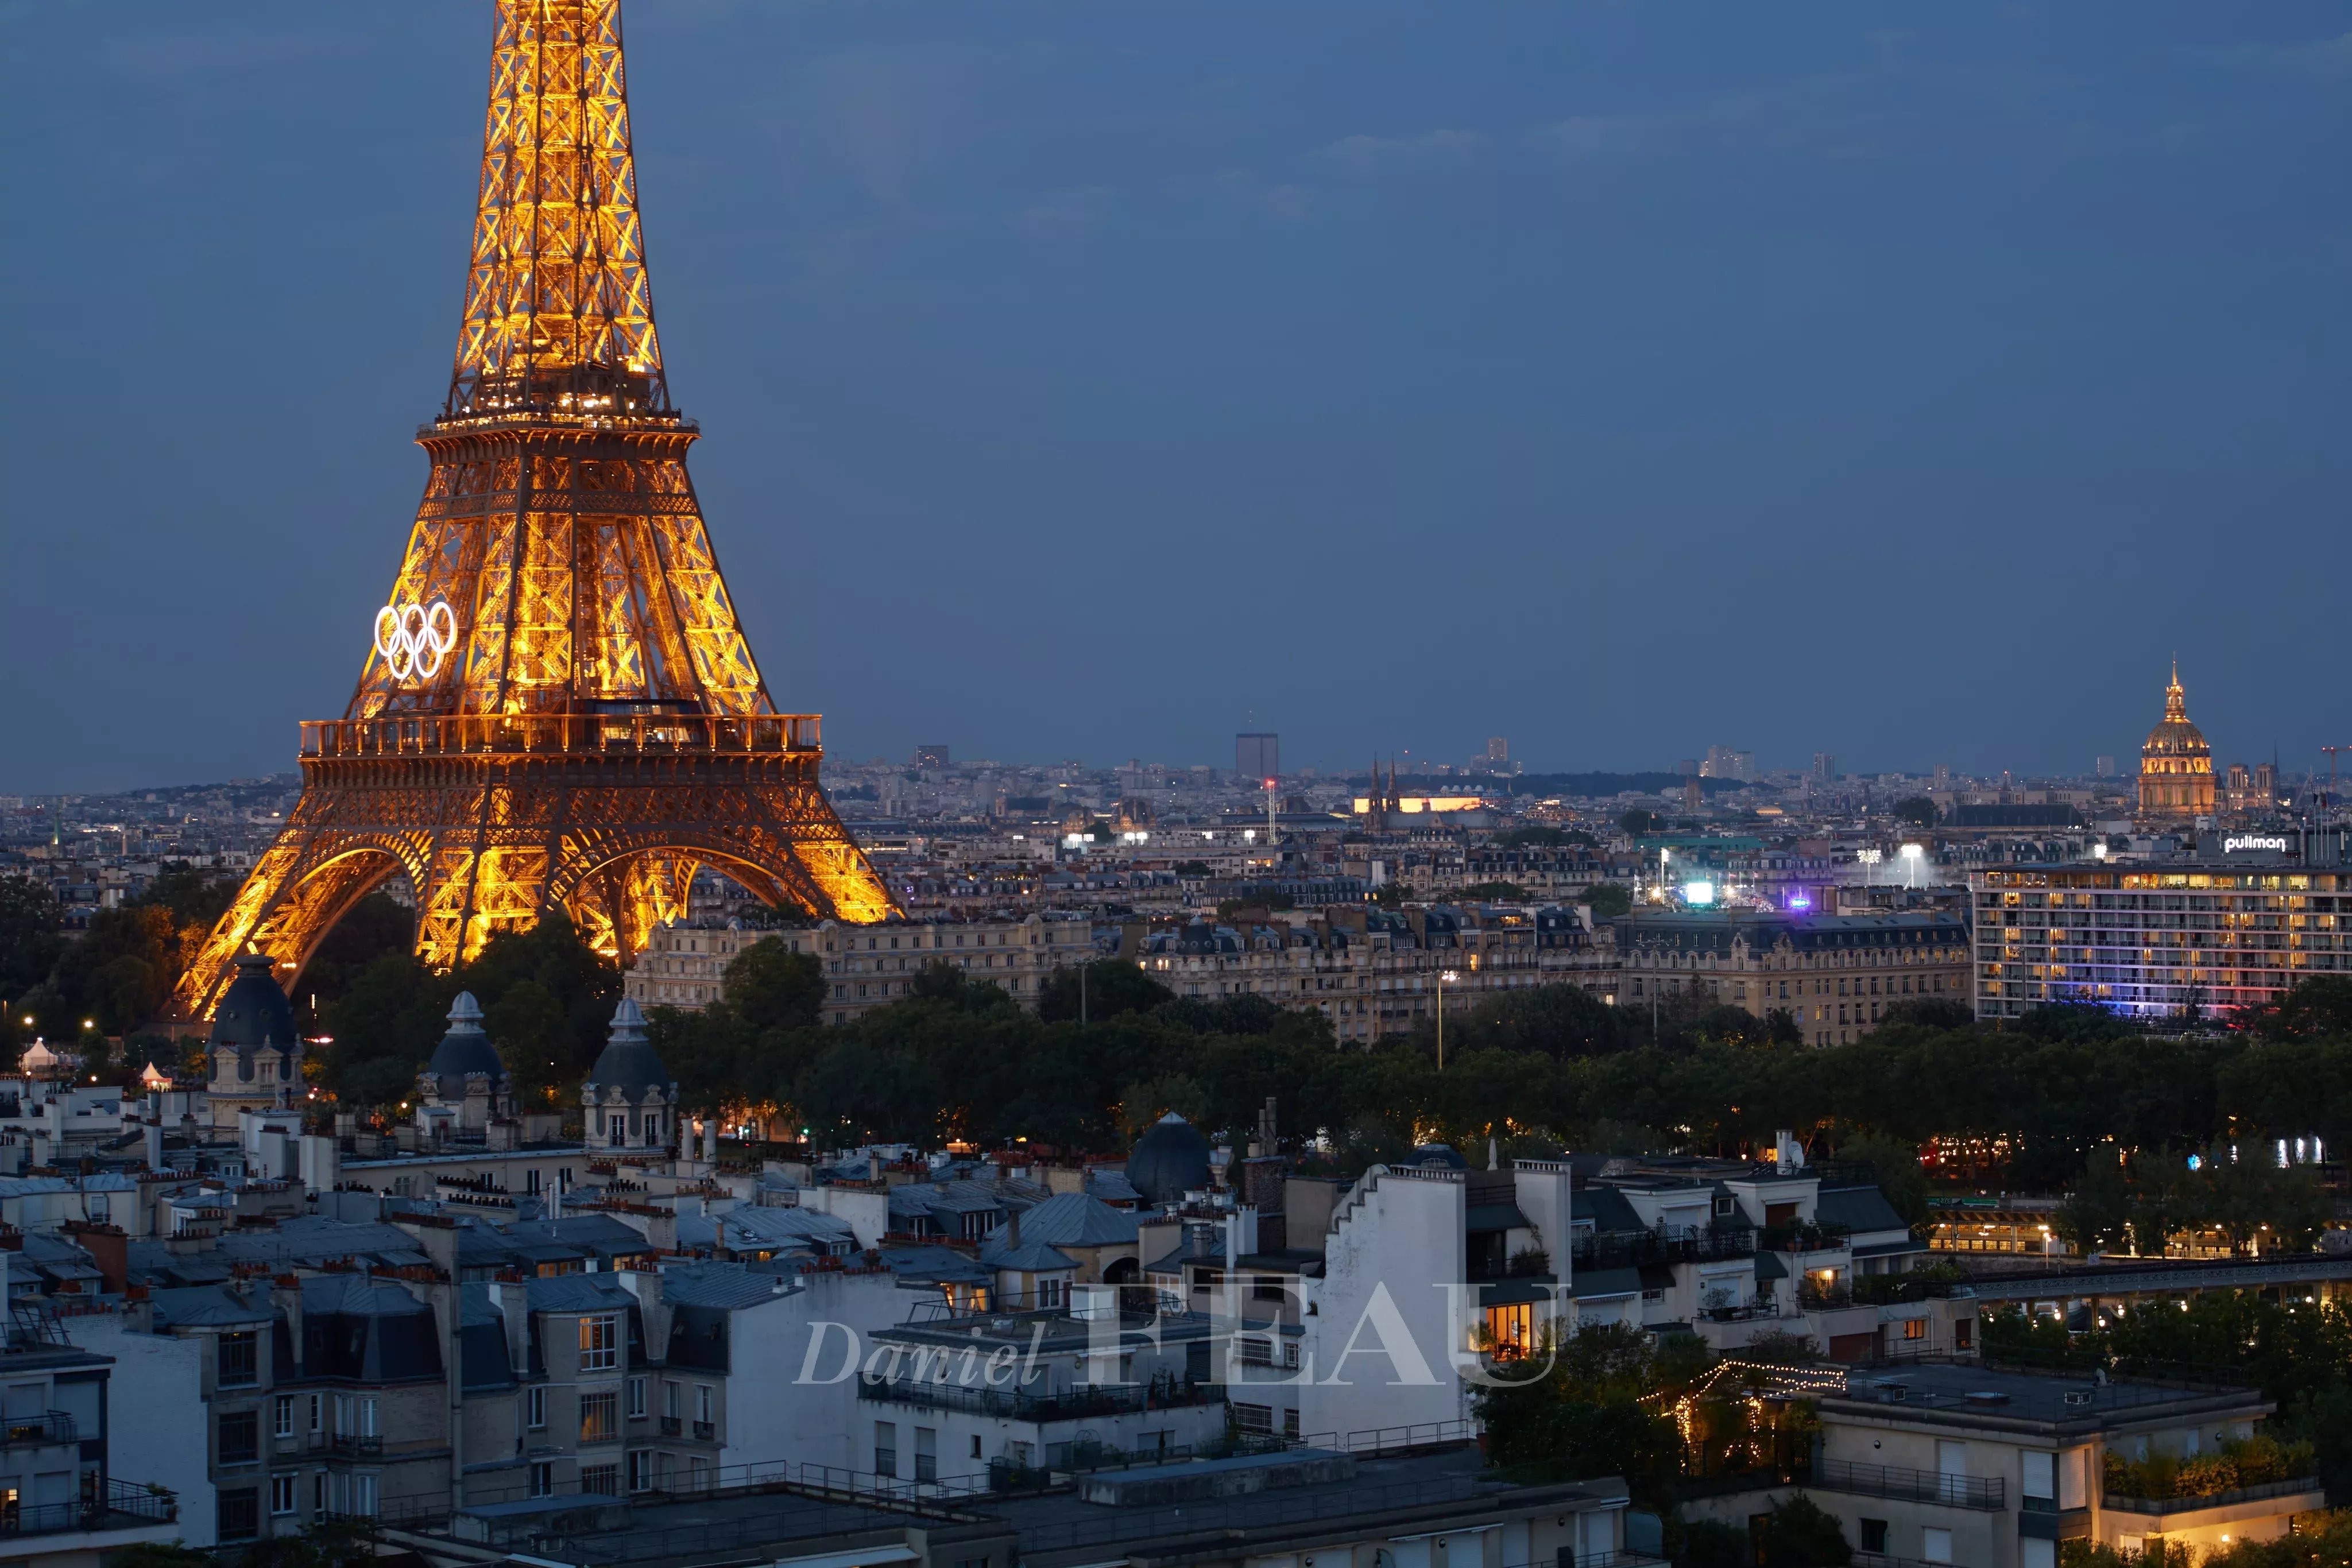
(2176, 765)
(557, 707)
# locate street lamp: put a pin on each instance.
(1445, 978)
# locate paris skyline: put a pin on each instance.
(1100, 385)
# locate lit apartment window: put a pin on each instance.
(600, 1343)
(599, 1417)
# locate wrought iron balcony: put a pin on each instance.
(29, 1432)
(124, 1507)
(1631, 1249)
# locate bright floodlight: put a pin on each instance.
(1698, 892)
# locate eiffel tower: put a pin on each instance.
(558, 708)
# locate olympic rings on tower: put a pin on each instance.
(413, 638)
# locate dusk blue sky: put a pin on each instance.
(1095, 378)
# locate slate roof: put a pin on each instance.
(1079, 1220)
(1858, 1208)
(934, 1266)
(1606, 1207)
(577, 1293)
(769, 1228)
(1029, 1258)
(210, 1306)
(727, 1287)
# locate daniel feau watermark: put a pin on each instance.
(1381, 1347)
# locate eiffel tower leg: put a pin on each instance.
(305, 882)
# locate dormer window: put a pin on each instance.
(1723, 1207)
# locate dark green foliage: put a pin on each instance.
(1492, 893)
(1639, 823)
(1711, 1543)
(2318, 1008)
(1929, 1012)
(1558, 1021)
(31, 917)
(1798, 1533)
(192, 895)
(370, 928)
(120, 971)
(1603, 1401)
(547, 1000)
(1607, 900)
(159, 1554)
(1111, 988)
(769, 987)
(1894, 1167)
(1919, 810)
(1542, 836)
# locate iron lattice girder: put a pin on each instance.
(596, 727)
(490, 842)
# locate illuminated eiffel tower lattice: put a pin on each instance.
(558, 708)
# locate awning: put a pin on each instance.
(1481, 1217)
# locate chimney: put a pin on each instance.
(285, 1295)
(512, 1298)
(109, 1253)
(152, 1137)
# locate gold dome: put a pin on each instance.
(2176, 736)
(2176, 765)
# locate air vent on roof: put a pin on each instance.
(1893, 1393)
(1984, 1399)
(2078, 1398)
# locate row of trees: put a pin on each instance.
(119, 974)
(2065, 1099)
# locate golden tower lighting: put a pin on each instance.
(558, 708)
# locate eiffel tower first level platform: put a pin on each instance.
(557, 707)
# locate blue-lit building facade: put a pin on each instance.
(2166, 940)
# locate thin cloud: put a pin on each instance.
(1065, 215)
(1368, 158)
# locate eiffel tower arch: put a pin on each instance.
(558, 708)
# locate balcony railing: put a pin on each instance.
(1989, 1494)
(671, 1425)
(1631, 1249)
(1802, 1237)
(1739, 1312)
(617, 734)
(125, 1507)
(704, 1431)
(345, 1443)
(29, 1432)
(1075, 1405)
(2216, 1500)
